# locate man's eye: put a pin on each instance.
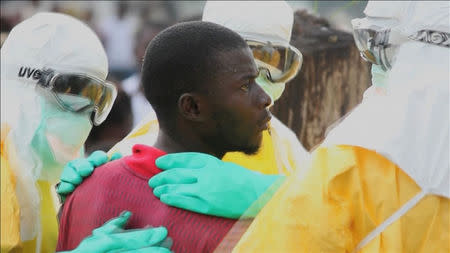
(245, 87)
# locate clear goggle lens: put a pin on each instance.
(80, 92)
(372, 39)
(374, 47)
(281, 63)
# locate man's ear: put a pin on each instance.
(190, 106)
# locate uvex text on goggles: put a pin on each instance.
(379, 45)
(281, 63)
(80, 92)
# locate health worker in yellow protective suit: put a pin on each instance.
(380, 180)
(53, 70)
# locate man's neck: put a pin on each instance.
(186, 143)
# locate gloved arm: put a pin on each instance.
(204, 184)
(74, 171)
(111, 237)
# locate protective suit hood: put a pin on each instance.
(412, 16)
(382, 9)
(263, 20)
(55, 41)
(46, 40)
(410, 125)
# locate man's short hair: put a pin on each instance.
(182, 59)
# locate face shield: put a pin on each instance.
(267, 28)
(373, 43)
(280, 64)
(277, 65)
(77, 92)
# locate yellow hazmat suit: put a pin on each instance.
(380, 182)
(347, 193)
(10, 227)
(10, 210)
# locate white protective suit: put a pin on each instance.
(281, 152)
(38, 137)
(417, 125)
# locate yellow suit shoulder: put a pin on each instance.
(348, 192)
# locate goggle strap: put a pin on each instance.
(46, 78)
(264, 39)
(432, 37)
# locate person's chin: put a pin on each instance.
(251, 150)
(254, 147)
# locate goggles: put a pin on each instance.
(80, 92)
(379, 45)
(280, 63)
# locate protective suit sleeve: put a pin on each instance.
(112, 237)
(195, 182)
(75, 171)
(346, 194)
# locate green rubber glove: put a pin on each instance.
(75, 170)
(204, 184)
(111, 237)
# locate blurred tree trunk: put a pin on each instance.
(331, 82)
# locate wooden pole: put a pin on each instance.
(331, 82)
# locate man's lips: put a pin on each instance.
(265, 122)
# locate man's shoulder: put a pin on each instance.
(110, 169)
(103, 177)
(110, 185)
(99, 198)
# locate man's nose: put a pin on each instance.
(262, 99)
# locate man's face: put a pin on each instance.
(238, 106)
